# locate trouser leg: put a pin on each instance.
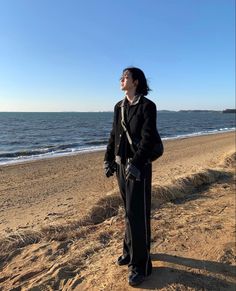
(137, 200)
(148, 193)
(122, 186)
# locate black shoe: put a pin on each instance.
(135, 279)
(123, 260)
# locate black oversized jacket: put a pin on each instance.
(141, 125)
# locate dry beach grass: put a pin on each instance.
(62, 221)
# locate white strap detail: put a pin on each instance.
(123, 123)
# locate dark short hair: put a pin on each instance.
(138, 74)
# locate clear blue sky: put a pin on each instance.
(67, 55)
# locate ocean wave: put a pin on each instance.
(9, 158)
(40, 151)
(50, 151)
(199, 133)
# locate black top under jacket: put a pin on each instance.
(141, 124)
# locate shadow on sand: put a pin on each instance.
(164, 276)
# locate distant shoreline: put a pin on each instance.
(229, 111)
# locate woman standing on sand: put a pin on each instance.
(136, 114)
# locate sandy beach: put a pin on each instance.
(61, 219)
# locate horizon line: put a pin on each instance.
(104, 111)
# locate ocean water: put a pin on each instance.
(27, 136)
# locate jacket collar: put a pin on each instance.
(134, 102)
(134, 109)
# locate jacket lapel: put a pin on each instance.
(133, 110)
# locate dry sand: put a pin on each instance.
(61, 221)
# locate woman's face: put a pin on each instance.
(126, 82)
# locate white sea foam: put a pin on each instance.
(200, 133)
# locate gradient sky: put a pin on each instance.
(68, 55)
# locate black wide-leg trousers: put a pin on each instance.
(137, 202)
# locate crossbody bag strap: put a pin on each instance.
(124, 126)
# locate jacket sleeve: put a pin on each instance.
(110, 151)
(148, 135)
